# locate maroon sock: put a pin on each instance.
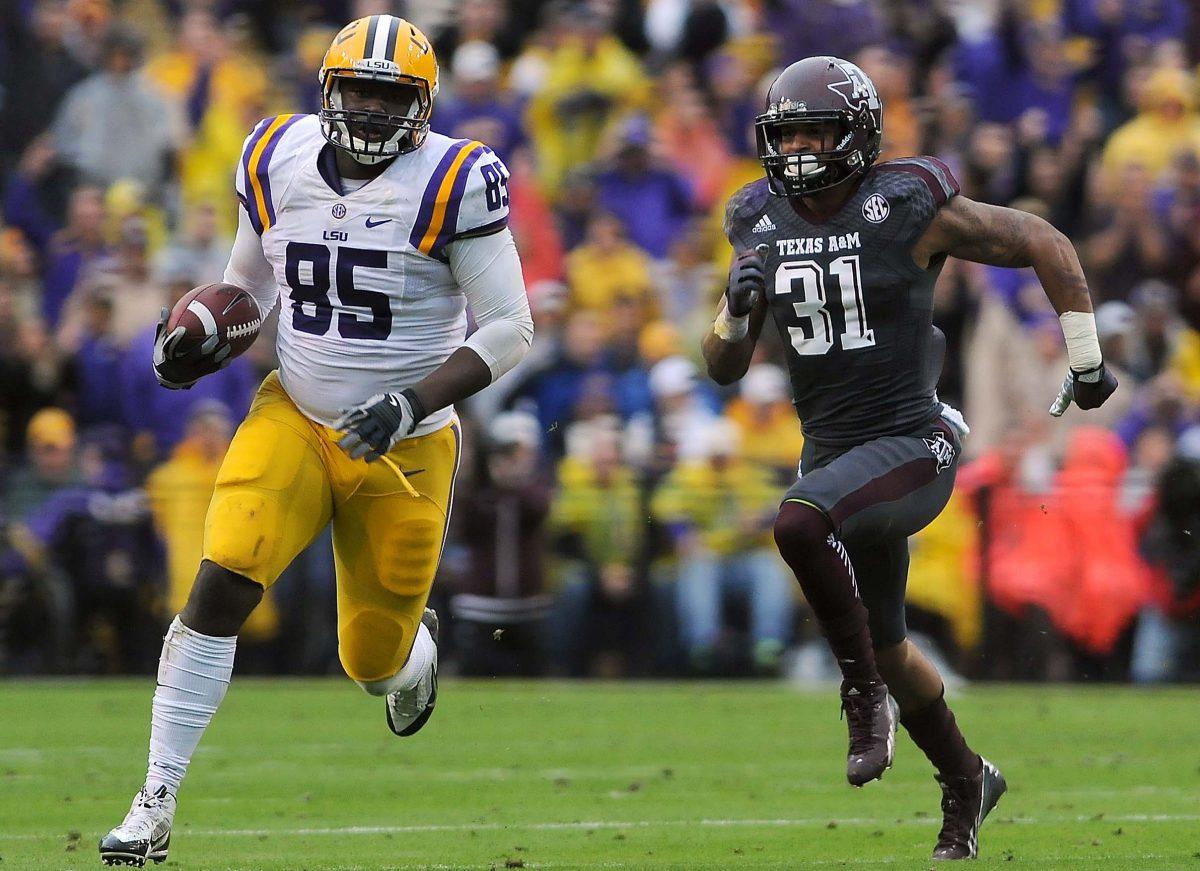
(820, 564)
(850, 641)
(935, 731)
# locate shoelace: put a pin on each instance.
(858, 710)
(152, 800)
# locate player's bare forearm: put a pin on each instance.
(463, 374)
(998, 236)
(728, 361)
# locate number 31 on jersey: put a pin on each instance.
(814, 334)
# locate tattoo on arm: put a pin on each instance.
(998, 236)
(987, 234)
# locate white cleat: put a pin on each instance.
(145, 832)
(409, 710)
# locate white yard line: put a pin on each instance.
(664, 862)
(639, 824)
(17, 755)
(746, 861)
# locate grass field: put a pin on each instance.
(304, 775)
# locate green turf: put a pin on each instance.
(304, 775)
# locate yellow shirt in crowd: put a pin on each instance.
(179, 492)
(730, 508)
(611, 72)
(770, 436)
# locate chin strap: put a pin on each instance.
(369, 159)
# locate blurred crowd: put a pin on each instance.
(613, 515)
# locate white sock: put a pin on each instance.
(420, 658)
(193, 674)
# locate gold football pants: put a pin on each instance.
(284, 478)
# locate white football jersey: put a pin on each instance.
(368, 303)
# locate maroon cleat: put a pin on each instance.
(871, 718)
(966, 802)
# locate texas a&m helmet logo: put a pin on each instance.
(855, 88)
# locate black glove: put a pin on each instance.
(746, 281)
(1086, 389)
(372, 429)
(179, 370)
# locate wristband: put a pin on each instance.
(414, 402)
(1083, 346)
(730, 329)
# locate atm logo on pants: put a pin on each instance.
(942, 450)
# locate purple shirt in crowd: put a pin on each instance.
(653, 206)
(1003, 91)
(496, 122)
(148, 406)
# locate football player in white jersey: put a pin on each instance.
(372, 234)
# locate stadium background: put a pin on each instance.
(612, 496)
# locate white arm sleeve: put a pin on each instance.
(488, 269)
(248, 267)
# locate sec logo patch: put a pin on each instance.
(876, 209)
(339, 211)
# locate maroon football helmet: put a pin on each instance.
(841, 102)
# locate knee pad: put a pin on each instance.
(800, 528)
(236, 532)
(372, 646)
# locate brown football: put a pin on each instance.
(222, 311)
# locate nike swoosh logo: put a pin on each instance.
(371, 224)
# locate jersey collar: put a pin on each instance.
(327, 167)
(812, 217)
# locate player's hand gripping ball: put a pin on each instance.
(747, 281)
(206, 329)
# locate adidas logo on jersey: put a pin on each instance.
(764, 225)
